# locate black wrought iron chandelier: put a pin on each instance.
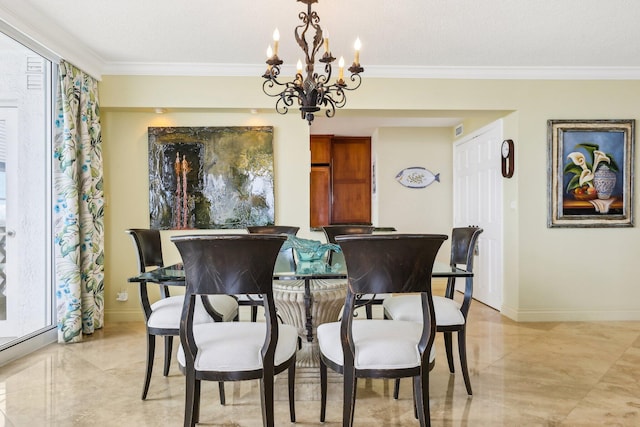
(313, 91)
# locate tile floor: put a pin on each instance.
(523, 374)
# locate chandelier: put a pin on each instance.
(313, 91)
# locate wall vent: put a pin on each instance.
(35, 73)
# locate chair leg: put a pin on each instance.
(369, 311)
(151, 351)
(396, 389)
(415, 398)
(292, 391)
(266, 389)
(196, 402)
(449, 347)
(168, 349)
(323, 390)
(221, 392)
(254, 313)
(349, 397)
(189, 404)
(266, 386)
(462, 349)
(421, 397)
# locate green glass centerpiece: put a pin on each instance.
(311, 254)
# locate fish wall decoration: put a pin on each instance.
(417, 177)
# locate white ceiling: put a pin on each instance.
(395, 34)
(400, 38)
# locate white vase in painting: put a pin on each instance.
(604, 181)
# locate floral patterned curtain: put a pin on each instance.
(78, 206)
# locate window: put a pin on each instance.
(26, 297)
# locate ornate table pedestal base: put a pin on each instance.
(306, 304)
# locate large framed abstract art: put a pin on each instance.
(590, 173)
(210, 177)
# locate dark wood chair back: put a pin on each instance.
(331, 231)
(273, 229)
(286, 259)
(463, 246)
(148, 246)
(390, 263)
(229, 263)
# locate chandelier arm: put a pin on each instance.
(321, 79)
(269, 86)
(357, 80)
(336, 94)
(327, 70)
(286, 98)
(282, 106)
(330, 105)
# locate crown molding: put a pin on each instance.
(182, 69)
(406, 72)
(29, 27)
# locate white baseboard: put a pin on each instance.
(573, 316)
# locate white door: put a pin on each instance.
(477, 188)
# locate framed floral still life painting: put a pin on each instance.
(590, 173)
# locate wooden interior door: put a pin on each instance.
(320, 202)
(351, 180)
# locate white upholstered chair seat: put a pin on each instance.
(409, 307)
(166, 312)
(236, 346)
(379, 344)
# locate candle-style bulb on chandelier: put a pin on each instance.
(312, 91)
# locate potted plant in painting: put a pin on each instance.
(591, 179)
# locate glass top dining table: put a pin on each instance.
(173, 275)
(305, 298)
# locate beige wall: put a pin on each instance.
(414, 210)
(550, 274)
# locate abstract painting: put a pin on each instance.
(210, 177)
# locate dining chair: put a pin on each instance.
(451, 315)
(285, 259)
(273, 229)
(162, 318)
(330, 232)
(233, 351)
(382, 348)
